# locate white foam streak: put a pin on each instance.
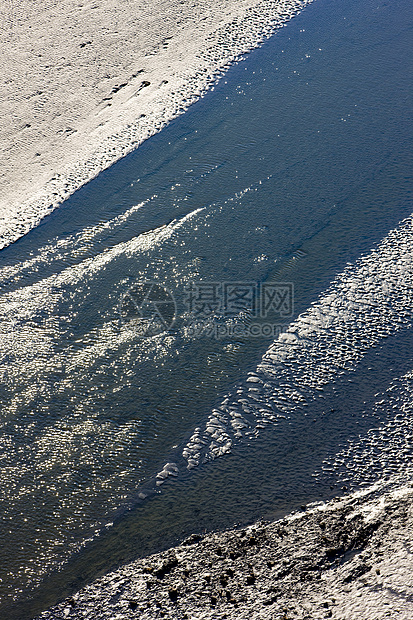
(28, 315)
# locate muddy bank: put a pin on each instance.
(348, 559)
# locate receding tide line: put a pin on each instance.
(222, 48)
(367, 302)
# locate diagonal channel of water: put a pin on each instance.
(296, 163)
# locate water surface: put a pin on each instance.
(294, 165)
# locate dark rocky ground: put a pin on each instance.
(349, 559)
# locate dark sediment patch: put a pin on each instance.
(298, 567)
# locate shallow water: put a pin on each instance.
(295, 164)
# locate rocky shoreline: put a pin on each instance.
(349, 559)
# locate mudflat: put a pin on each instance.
(348, 559)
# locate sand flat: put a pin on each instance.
(83, 83)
